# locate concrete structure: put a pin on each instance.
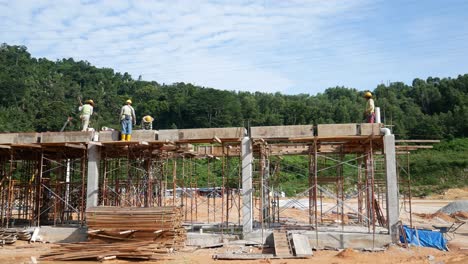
(141, 173)
(392, 186)
(92, 190)
(247, 204)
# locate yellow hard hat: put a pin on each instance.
(128, 101)
(148, 118)
(367, 95)
(91, 102)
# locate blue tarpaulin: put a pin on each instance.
(424, 238)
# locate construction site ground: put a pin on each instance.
(424, 215)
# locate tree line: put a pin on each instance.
(39, 95)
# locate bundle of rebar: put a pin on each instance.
(126, 232)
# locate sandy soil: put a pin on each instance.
(423, 216)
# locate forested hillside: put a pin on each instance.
(39, 95)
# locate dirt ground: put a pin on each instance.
(423, 216)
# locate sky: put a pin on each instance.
(287, 46)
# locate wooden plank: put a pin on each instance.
(77, 146)
(281, 244)
(302, 246)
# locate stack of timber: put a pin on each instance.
(126, 232)
(106, 251)
(160, 225)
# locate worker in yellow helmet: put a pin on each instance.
(86, 111)
(127, 120)
(147, 122)
(369, 112)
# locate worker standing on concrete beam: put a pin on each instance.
(86, 111)
(369, 112)
(147, 122)
(127, 119)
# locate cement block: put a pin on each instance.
(19, 138)
(196, 239)
(144, 135)
(282, 131)
(370, 129)
(109, 136)
(333, 130)
(63, 137)
(63, 234)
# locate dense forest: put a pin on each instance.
(39, 95)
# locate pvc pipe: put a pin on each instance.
(377, 115)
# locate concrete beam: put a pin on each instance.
(333, 130)
(144, 135)
(62, 137)
(92, 190)
(247, 205)
(370, 129)
(392, 186)
(168, 134)
(19, 138)
(282, 131)
(201, 133)
(106, 136)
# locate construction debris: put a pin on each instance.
(127, 232)
(456, 206)
(10, 235)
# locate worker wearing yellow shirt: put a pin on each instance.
(86, 111)
(369, 112)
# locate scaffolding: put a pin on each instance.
(342, 182)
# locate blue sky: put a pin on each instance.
(288, 46)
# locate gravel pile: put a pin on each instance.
(456, 206)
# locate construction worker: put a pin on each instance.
(127, 119)
(369, 112)
(86, 111)
(147, 122)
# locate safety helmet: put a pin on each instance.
(148, 118)
(128, 101)
(91, 102)
(367, 95)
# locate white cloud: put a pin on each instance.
(237, 45)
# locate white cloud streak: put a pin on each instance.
(234, 45)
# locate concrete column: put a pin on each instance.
(392, 186)
(247, 206)
(92, 190)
